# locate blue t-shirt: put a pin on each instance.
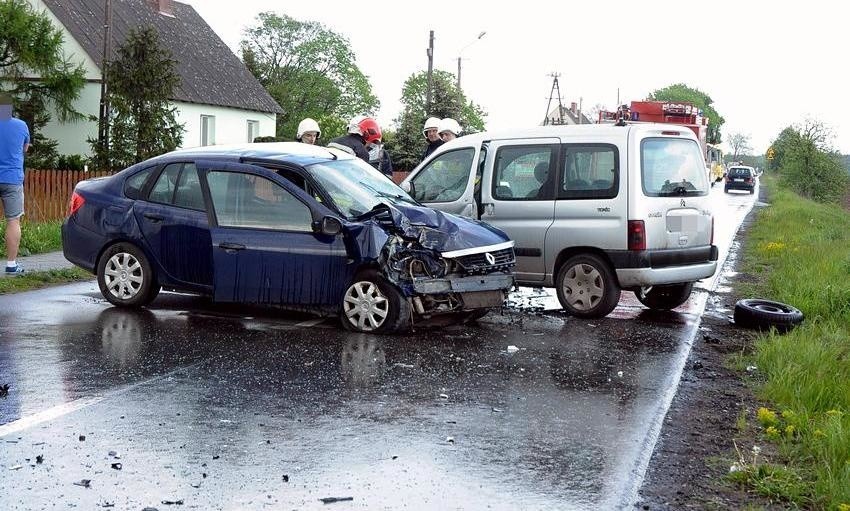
(13, 135)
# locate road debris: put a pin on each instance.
(331, 500)
(178, 502)
(16, 467)
(512, 349)
(4, 390)
(85, 483)
(116, 466)
(82, 438)
(39, 459)
(450, 439)
(444, 396)
(285, 478)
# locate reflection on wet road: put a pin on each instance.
(231, 409)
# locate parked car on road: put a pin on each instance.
(740, 177)
(593, 209)
(283, 224)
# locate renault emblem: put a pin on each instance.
(490, 258)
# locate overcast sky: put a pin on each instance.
(765, 65)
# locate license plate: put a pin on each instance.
(480, 299)
(739, 180)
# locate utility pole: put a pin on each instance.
(103, 121)
(430, 73)
(555, 87)
(459, 92)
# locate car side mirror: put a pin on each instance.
(407, 186)
(330, 226)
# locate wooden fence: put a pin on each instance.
(47, 192)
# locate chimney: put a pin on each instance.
(573, 107)
(163, 6)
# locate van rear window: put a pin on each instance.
(672, 167)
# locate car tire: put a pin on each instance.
(764, 314)
(665, 297)
(371, 304)
(125, 276)
(725, 190)
(586, 287)
(752, 191)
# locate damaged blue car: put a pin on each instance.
(288, 225)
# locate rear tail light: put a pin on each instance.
(76, 203)
(748, 180)
(637, 235)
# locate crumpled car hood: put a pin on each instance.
(439, 231)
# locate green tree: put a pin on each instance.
(30, 46)
(143, 121)
(808, 163)
(446, 101)
(681, 92)
(740, 145)
(309, 70)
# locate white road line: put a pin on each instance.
(57, 411)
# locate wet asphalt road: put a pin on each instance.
(234, 408)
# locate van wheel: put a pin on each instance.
(586, 287)
(372, 304)
(665, 297)
(125, 276)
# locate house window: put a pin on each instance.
(207, 130)
(253, 130)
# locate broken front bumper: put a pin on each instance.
(499, 282)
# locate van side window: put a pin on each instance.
(445, 178)
(590, 172)
(524, 173)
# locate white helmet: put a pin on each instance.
(450, 125)
(432, 122)
(307, 125)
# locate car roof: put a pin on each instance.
(290, 152)
(744, 167)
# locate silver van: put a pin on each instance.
(593, 209)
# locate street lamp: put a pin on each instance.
(459, 94)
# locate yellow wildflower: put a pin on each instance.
(766, 416)
(772, 433)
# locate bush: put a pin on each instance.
(814, 173)
(271, 139)
(71, 162)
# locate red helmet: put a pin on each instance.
(370, 130)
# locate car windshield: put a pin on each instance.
(355, 187)
(672, 166)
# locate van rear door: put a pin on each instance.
(518, 196)
(673, 199)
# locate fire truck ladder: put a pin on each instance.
(559, 117)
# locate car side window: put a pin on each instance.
(590, 172)
(134, 184)
(524, 173)
(445, 178)
(166, 183)
(247, 200)
(188, 193)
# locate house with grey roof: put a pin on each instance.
(218, 100)
(563, 115)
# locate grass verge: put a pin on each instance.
(38, 279)
(800, 249)
(36, 238)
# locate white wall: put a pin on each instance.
(231, 124)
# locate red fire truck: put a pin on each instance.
(680, 113)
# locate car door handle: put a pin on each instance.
(154, 218)
(231, 247)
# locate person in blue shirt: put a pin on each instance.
(14, 142)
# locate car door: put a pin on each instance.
(175, 227)
(265, 250)
(518, 196)
(447, 182)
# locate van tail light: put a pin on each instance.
(637, 235)
(76, 203)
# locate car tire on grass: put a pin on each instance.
(372, 304)
(586, 287)
(764, 314)
(665, 297)
(125, 276)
